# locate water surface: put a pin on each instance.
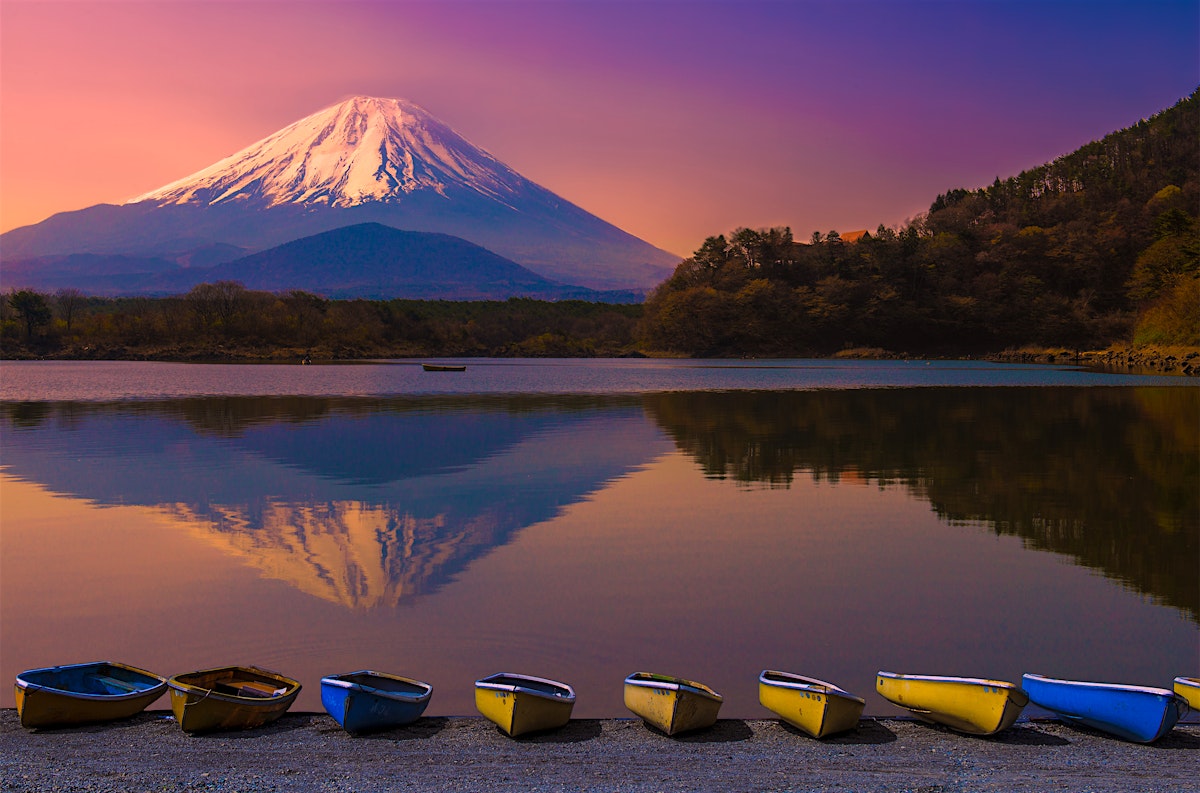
(702, 520)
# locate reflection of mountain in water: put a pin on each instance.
(367, 501)
(1109, 476)
(361, 502)
(348, 552)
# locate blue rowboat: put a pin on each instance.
(60, 696)
(1135, 713)
(367, 701)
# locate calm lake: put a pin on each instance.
(582, 520)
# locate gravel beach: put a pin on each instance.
(308, 752)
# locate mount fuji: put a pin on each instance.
(365, 160)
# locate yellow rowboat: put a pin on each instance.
(818, 708)
(230, 698)
(61, 696)
(671, 704)
(520, 704)
(1189, 689)
(967, 704)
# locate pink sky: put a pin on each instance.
(673, 119)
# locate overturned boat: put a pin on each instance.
(817, 708)
(671, 704)
(521, 704)
(1135, 713)
(976, 706)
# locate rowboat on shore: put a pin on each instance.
(366, 701)
(976, 706)
(1189, 689)
(671, 704)
(818, 708)
(521, 704)
(60, 696)
(443, 367)
(230, 698)
(1136, 713)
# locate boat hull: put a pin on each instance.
(368, 701)
(63, 696)
(975, 706)
(1136, 713)
(815, 707)
(230, 698)
(521, 704)
(1189, 689)
(671, 705)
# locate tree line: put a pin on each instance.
(225, 320)
(1101, 246)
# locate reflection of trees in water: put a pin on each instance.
(232, 415)
(1110, 476)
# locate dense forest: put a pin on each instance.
(1100, 247)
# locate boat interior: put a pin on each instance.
(235, 682)
(385, 683)
(528, 684)
(99, 679)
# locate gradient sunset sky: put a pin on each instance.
(673, 119)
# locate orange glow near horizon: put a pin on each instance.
(674, 126)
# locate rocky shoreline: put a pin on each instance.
(308, 752)
(1183, 362)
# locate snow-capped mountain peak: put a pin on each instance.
(361, 150)
(364, 160)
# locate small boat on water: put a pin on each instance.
(1189, 689)
(61, 696)
(366, 701)
(520, 704)
(1135, 713)
(818, 708)
(972, 705)
(671, 704)
(443, 367)
(230, 698)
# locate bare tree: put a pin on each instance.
(69, 302)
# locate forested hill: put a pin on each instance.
(1099, 247)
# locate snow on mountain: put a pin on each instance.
(361, 150)
(364, 160)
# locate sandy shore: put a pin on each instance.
(309, 752)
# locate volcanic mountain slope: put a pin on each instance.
(370, 260)
(366, 260)
(364, 160)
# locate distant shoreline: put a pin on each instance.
(1182, 361)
